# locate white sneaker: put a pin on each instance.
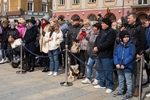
(55, 74)
(95, 82)
(2, 61)
(86, 81)
(6, 60)
(50, 73)
(109, 90)
(99, 87)
(148, 95)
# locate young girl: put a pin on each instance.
(123, 56)
(54, 37)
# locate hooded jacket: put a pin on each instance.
(124, 55)
(137, 34)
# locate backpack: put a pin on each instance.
(75, 47)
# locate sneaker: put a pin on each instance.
(117, 94)
(148, 95)
(2, 61)
(99, 87)
(86, 81)
(50, 73)
(95, 82)
(127, 97)
(6, 60)
(55, 74)
(109, 90)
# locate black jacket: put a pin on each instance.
(137, 34)
(73, 31)
(30, 38)
(4, 38)
(14, 33)
(105, 43)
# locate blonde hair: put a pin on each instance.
(86, 21)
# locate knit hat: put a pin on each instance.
(76, 18)
(46, 17)
(124, 34)
(107, 21)
(32, 21)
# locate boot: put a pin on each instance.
(136, 92)
(32, 69)
(46, 69)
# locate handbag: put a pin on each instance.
(16, 43)
(75, 47)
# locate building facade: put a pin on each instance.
(25, 8)
(113, 9)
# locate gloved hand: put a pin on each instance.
(143, 52)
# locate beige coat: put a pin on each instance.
(42, 41)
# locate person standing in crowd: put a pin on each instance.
(6, 19)
(124, 54)
(14, 34)
(137, 35)
(43, 30)
(83, 38)
(73, 31)
(29, 39)
(54, 37)
(104, 46)
(99, 19)
(147, 33)
(81, 22)
(5, 28)
(21, 27)
(93, 59)
(64, 29)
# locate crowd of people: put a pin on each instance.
(105, 45)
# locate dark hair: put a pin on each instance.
(133, 14)
(32, 18)
(98, 26)
(81, 20)
(61, 18)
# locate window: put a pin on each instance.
(142, 1)
(109, 0)
(5, 7)
(44, 7)
(61, 2)
(30, 6)
(75, 2)
(92, 17)
(92, 1)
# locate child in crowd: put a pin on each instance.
(123, 56)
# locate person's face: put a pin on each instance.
(86, 25)
(119, 25)
(114, 25)
(95, 30)
(43, 21)
(126, 39)
(131, 19)
(60, 21)
(30, 24)
(75, 22)
(12, 26)
(5, 19)
(104, 26)
(37, 22)
(52, 23)
(81, 23)
(146, 24)
(17, 24)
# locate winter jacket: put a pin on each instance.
(147, 33)
(72, 34)
(4, 38)
(64, 29)
(13, 33)
(30, 38)
(105, 43)
(90, 46)
(55, 42)
(85, 39)
(21, 30)
(137, 34)
(124, 55)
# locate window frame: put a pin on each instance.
(61, 2)
(75, 2)
(91, 1)
(46, 6)
(32, 8)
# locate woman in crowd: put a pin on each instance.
(21, 27)
(29, 40)
(83, 38)
(54, 37)
(43, 30)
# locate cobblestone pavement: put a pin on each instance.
(38, 86)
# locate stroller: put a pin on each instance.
(16, 59)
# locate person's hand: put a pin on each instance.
(138, 56)
(118, 66)
(95, 49)
(143, 52)
(122, 28)
(50, 39)
(122, 67)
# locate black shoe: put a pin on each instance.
(45, 70)
(31, 70)
(127, 97)
(117, 94)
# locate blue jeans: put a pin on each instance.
(106, 77)
(122, 77)
(54, 61)
(3, 54)
(91, 62)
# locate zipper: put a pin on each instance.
(122, 54)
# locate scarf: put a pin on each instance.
(43, 25)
